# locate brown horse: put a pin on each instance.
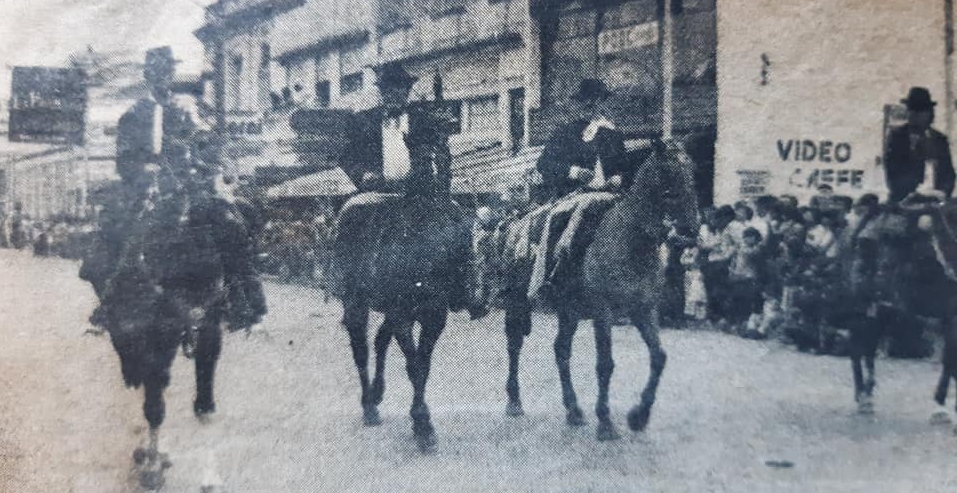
(620, 273)
(403, 256)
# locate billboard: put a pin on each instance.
(48, 105)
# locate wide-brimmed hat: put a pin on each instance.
(591, 90)
(159, 61)
(918, 98)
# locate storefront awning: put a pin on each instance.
(326, 183)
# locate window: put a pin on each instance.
(323, 95)
(480, 115)
(350, 83)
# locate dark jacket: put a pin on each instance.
(134, 138)
(905, 166)
(565, 148)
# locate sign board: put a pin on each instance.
(48, 105)
(627, 38)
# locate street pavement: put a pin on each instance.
(732, 414)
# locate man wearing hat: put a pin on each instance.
(583, 163)
(586, 151)
(155, 130)
(917, 157)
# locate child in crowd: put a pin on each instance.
(745, 277)
(696, 297)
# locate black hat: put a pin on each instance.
(591, 90)
(867, 200)
(919, 99)
(159, 61)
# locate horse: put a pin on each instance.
(620, 273)
(159, 284)
(403, 256)
(904, 285)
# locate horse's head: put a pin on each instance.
(663, 189)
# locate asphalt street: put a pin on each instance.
(732, 414)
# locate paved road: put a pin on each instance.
(289, 418)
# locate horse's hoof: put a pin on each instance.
(606, 432)
(152, 480)
(575, 417)
(638, 417)
(426, 442)
(514, 409)
(940, 418)
(370, 416)
(140, 455)
(202, 409)
(940, 398)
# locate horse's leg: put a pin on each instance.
(433, 323)
(150, 461)
(604, 366)
(356, 320)
(382, 339)
(857, 351)
(647, 323)
(567, 325)
(948, 370)
(209, 343)
(518, 324)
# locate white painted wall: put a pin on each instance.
(833, 67)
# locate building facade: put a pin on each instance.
(506, 66)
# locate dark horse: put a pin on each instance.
(619, 273)
(158, 278)
(897, 270)
(404, 256)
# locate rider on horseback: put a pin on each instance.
(584, 162)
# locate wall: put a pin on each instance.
(818, 73)
(320, 20)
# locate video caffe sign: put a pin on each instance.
(819, 163)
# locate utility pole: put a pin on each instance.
(949, 67)
(668, 70)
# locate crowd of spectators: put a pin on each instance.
(65, 237)
(771, 267)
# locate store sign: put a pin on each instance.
(48, 105)
(806, 150)
(753, 182)
(627, 38)
(837, 178)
